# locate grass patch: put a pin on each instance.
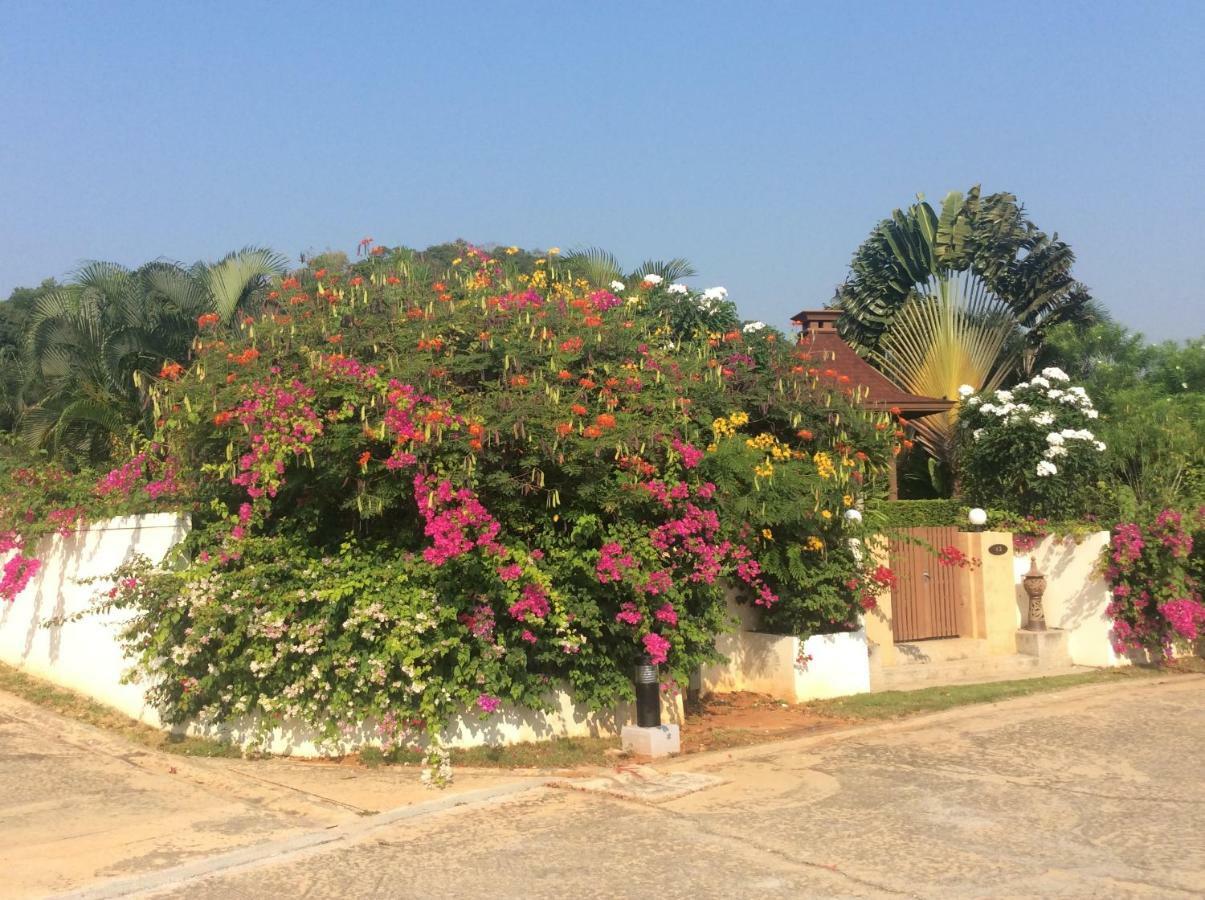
(84, 709)
(895, 704)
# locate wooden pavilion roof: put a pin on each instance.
(820, 338)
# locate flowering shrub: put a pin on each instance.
(1156, 573)
(1029, 450)
(413, 499)
(41, 497)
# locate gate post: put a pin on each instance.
(994, 589)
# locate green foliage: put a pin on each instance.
(1152, 403)
(990, 237)
(614, 471)
(924, 513)
(1030, 450)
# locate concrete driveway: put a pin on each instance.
(1094, 792)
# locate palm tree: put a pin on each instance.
(95, 345)
(964, 297)
(990, 237)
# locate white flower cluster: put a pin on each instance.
(652, 279)
(618, 286)
(677, 289)
(1010, 408)
(711, 298)
(753, 327)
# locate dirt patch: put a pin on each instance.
(735, 720)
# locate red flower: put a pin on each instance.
(208, 319)
(171, 371)
(365, 457)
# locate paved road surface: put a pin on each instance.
(1096, 792)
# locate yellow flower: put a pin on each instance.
(824, 465)
(712, 448)
(511, 251)
(765, 470)
(457, 261)
(824, 513)
(814, 543)
(847, 500)
(767, 534)
(553, 251)
(540, 262)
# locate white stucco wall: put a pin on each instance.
(1076, 596)
(86, 657)
(768, 663)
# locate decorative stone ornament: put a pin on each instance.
(1034, 583)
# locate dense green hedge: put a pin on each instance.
(925, 513)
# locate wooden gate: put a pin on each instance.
(924, 601)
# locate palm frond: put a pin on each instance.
(670, 269)
(234, 279)
(594, 264)
(954, 331)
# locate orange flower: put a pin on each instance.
(208, 319)
(171, 371)
(604, 420)
(612, 382)
(475, 443)
(593, 321)
(564, 429)
(577, 409)
(476, 429)
(334, 339)
(230, 378)
(519, 381)
(483, 336)
(393, 279)
(593, 431)
(364, 458)
(895, 410)
(357, 281)
(572, 345)
(320, 273)
(805, 434)
(565, 375)
(273, 295)
(290, 284)
(587, 383)
(298, 299)
(222, 418)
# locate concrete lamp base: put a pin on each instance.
(663, 740)
(1049, 646)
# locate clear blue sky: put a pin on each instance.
(760, 140)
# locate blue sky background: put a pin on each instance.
(763, 141)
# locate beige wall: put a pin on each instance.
(992, 593)
(1076, 595)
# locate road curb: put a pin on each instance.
(275, 851)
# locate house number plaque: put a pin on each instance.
(997, 549)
